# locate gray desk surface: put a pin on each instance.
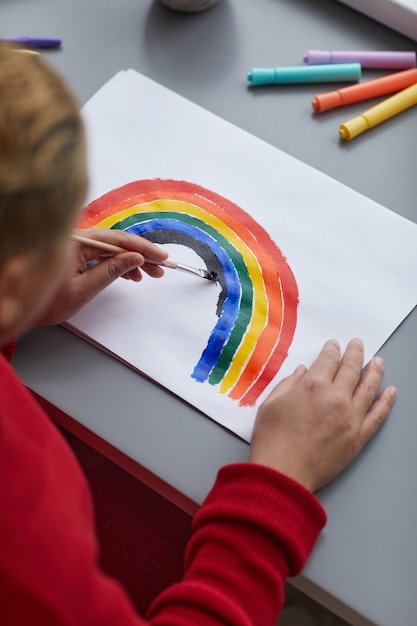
(365, 562)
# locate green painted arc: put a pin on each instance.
(246, 300)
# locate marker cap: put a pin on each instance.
(341, 72)
(353, 127)
(325, 101)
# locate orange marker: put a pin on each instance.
(364, 91)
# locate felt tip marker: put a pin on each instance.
(363, 91)
(367, 58)
(341, 72)
(35, 42)
(379, 113)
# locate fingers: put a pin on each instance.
(327, 362)
(124, 264)
(328, 366)
(377, 414)
(371, 410)
(129, 241)
(287, 383)
(350, 368)
(155, 271)
(369, 384)
(104, 273)
(346, 371)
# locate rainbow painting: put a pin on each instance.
(256, 309)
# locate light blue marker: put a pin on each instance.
(332, 72)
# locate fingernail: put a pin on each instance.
(334, 342)
(358, 342)
(378, 361)
(392, 392)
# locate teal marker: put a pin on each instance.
(329, 73)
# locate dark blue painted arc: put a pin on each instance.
(178, 232)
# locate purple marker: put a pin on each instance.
(367, 58)
(35, 42)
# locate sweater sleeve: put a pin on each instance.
(256, 528)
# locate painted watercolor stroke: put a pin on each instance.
(257, 305)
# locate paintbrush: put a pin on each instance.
(108, 247)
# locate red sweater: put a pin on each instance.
(255, 528)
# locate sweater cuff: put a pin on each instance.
(269, 501)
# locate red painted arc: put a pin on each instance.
(274, 341)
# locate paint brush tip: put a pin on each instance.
(212, 276)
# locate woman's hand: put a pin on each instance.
(92, 270)
(315, 422)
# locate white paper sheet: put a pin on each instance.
(353, 261)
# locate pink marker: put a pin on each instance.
(367, 58)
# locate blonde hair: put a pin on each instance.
(42, 155)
